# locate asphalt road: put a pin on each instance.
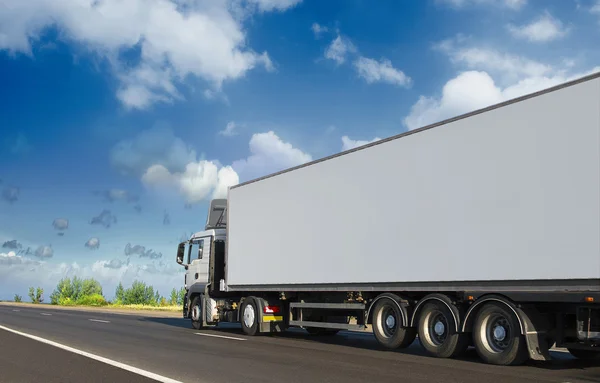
(171, 348)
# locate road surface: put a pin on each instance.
(170, 348)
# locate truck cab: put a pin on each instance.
(203, 257)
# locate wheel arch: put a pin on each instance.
(401, 303)
(439, 298)
(469, 320)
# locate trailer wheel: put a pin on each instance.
(249, 316)
(197, 311)
(584, 354)
(497, 336)
(437, 333)
(388, 327)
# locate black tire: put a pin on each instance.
(388, 327)
(437, 333)
(197, 312)
(249, 316)
(497, 336)
(584, 354)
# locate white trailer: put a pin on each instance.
(480, 230)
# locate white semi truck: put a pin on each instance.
(482, 230)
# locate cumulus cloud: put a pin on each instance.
(543, 29)
(115, 264)
(141, 251)
(93, 243)
(11, 194)
(506, 66)
(472, 90)
(61, 224)
(154, 146)
(105, 218)
(269, 154)
(12, 244)
(11, 258)
(348, 143)
(200, 180)
(44, 252)
(204, 39)
(373, 71)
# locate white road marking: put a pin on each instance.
(102, 359)
(16, 310)
(220, 336)
(45, 314)
(99, 320)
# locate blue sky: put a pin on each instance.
(120, 120)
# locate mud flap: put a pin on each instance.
(536, 333)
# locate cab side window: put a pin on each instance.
(196, 249)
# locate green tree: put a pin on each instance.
(18, 298)
(120, 293)
(174, 297)
(181, 296)
(36, 295)
(139, 294)
(32, 294)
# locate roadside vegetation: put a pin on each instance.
(89, 292)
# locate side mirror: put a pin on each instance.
(180, 253)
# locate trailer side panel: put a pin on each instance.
(509, 194)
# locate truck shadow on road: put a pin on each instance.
(366, 341)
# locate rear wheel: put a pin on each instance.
(388, 326)
(497, 336)
(437, 334)
(249, 316)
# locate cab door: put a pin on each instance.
(198, 262)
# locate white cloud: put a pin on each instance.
(269, 154)
(543, 29)
(339, 48)
(508, 67)
(200, 181)
(511, 4)
(11, 258)
(176, 39)
(318, 29)
(275, 5)
(229, 130)
(380, 71)
(348, 143)
(595, 9)
(155, 146)
(472, 90)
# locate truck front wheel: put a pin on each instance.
(196, 312)
(388, 326)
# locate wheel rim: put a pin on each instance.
(387, 321)
(249, 315)
(437, 327)
(496, 333)
(196, 313)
